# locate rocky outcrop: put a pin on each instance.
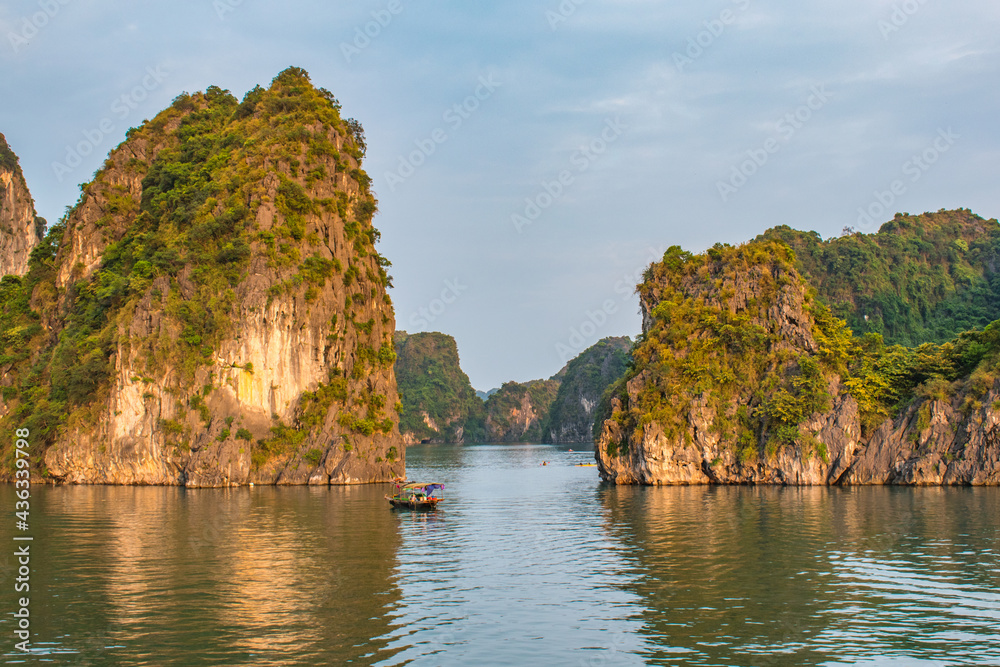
(933, 443)
(741, 378)
(112, 202)
(439, 403)
(703, 457)
(518, 411)
(216, 312)
(20, 228)
(582, 384)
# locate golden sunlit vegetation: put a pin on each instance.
(723, 344)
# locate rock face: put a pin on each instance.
(742, 379)
(20, 228)
(932, 443)
(518, 411)
(215, 313)
(582, 384)
(439, 403)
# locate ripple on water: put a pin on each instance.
(524, 563)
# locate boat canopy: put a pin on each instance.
(422, 486)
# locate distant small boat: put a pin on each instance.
(586, 465)
(415, 495)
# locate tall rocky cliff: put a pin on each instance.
(583, 383)
(518, 411)
(20, 227)
(741, 376)
(213, 311)
(439, 403)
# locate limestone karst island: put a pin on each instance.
(500, 334)
(213, 312)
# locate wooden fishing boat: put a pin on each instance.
(415, 495)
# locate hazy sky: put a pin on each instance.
(531, 158)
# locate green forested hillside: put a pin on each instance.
(923, 278)
(519, 410)
(715, 355)
(438, 401)
(584, 380)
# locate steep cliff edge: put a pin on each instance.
(947, 440)
(741, 376)
(20, 228)
(583, 383)
(518, 411)
(213, 311)
(439, 403)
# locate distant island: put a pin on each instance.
(440, 405)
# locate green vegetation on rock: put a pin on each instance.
(8, 159)
(518, 411)
(439, 403)
(711, 348)
(214, 168)
(583, 382)
(920, 279)
(9, 162)
(737, 344)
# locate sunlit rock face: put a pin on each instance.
(227, 306)
(741, 377)
(20, 228)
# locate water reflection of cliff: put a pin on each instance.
(757, 576)
(227, 575)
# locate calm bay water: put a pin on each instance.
(524, 564)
